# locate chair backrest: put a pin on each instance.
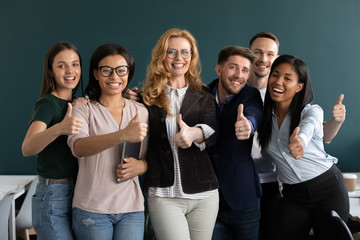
(23, 218)
(5, 207)
(338, 227)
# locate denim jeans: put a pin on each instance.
(51, 210)
(90, 225)
(237, 225)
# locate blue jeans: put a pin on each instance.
(237, 225)
(90, 225)
(51, 210)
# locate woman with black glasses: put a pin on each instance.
(103, 207)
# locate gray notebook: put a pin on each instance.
(130, 149)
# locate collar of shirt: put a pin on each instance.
(314, 161)
(176, 97)
(180, 91)
(218, 104)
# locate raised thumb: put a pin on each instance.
(240, 111)
(295, 132)
(69, 110)
(136, 118)
(179, 120)
(340, 99)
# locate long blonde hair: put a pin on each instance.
(154, 90)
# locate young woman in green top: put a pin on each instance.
(51, 123)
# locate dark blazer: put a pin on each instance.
(235, 169)
(197, 174)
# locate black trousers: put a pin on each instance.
(268, 207)
(305, 205)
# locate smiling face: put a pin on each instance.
(233, 75)
(266, 51)
(284, 84)
(179, 65)
(113, 84)
(66, 70)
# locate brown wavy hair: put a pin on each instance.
(48, 83)
(154, 90)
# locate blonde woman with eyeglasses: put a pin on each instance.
(180, 182)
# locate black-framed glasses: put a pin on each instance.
(185, 53)
(107, 71)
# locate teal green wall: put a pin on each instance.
(325, 34)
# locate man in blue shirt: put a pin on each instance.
(238, 112)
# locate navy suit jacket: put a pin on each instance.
(231, 158)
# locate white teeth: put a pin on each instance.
(70, 78)
(114, 84)
(278, 90)
(178, 65)
(235, 81)
(261, 65)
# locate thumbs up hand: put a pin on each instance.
(242, 125)
(135, 131)
(296, 145)
(339, 111)
(70, 125)
(186, 135)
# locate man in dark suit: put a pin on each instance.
(239, 113)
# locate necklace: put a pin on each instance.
(120, 106)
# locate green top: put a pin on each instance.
(56, 160)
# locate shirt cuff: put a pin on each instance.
(207, 131)
(201, 146)
(252, 127)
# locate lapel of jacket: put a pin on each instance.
(162, 112)
(230, 109)
(191, 97)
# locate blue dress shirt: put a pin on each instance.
(315, 160)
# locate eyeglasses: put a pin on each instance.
(185, 53)
(107, 71)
